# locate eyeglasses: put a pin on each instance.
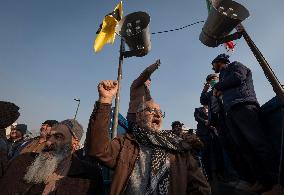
(154, 111)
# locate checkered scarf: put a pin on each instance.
(161, 143)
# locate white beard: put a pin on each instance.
(147, 124)
(43, 166)
(41, 169)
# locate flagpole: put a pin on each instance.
(117, 98)
(271, 77)
(78, 105)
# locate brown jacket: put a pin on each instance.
(83, 177)
(121, 153)
(33, 145)
(138, 90)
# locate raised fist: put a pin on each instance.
(206, 87)
(158, 62)
(154, 66)
(107, 90)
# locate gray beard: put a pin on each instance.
(148, 127)
(43, 166)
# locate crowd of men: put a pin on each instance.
(230, 127)
(229, 144)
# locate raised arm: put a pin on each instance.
(145, 75)
(98, 143)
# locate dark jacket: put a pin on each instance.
(82, 178)
(237, 85)
(3, 155)
(214, 106)
(201, 117)
(121, 153)
(14, 147)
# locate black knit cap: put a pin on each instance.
(224, 58)
(22, 128)
(50, 123)
(9, 113)
(175, 123)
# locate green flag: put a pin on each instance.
(209, 5)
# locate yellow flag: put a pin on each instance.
(106, 32)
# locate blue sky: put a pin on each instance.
(47, 58)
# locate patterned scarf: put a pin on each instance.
(161, 143)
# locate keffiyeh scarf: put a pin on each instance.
(161, 143)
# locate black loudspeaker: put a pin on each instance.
(134, 29)
(222, 19)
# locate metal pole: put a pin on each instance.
(117, 98)
(272, 78)
(78, 100)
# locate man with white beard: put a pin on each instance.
(58, 169)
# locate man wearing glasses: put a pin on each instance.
(148, 160)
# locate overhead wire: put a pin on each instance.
(177, 29)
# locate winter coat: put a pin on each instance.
(237, 85)
(3, 155)
(214, 106)
(121, 153)
(82, 178)
(14, 147)
(201, 117)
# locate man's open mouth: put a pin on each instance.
(156, 121)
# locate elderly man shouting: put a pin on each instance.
(57, 169)
(147, 161)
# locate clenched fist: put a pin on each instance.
(154, 66)
(107, 90)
